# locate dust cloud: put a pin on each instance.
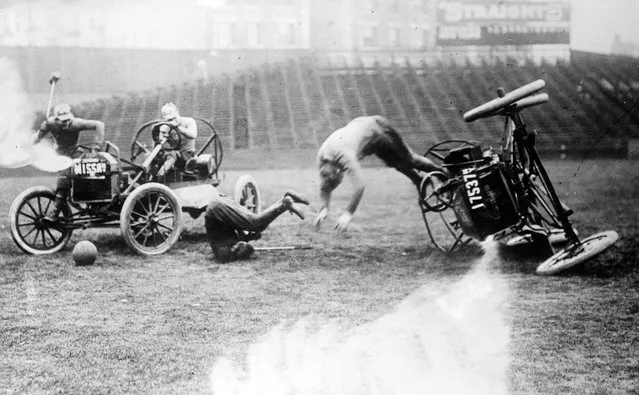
(449, 337)
(16, 124)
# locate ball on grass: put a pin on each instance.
(84, 253)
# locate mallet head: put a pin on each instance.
(55, 76)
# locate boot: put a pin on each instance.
(52, 218)
(287, 203)
(297, 197)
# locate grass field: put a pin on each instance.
(375, 310)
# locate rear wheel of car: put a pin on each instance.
(29, 229)
(439, 217)
(150, 219)
(247, 194)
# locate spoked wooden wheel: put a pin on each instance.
(247, 194)
(150, 219)
(29, 229)
(440, 219)
(578, 252)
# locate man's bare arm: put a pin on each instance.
(325, 196)
(39, 135)
(99, 131)
(325, 199)
(355, 173)
(189, 129)
(96, 126)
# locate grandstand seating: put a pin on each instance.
(296, 104)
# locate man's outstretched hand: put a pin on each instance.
(343, 222)
(321, 216)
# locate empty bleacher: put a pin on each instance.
(296, 104)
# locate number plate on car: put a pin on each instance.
(473, 190)
(91, 168)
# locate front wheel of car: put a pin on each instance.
(30, 228)
(150, 219)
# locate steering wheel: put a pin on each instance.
(140, 139)
(173, 139)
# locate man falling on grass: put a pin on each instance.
(230, 226)
(344, 148)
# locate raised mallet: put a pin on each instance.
(55, 76)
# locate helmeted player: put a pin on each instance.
(65, 128)
(230, 226)
(187, 127)
(342, 150)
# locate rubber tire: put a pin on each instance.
(125, 218)
(450, 240)
(246, 181)
(441, 179)
(13, 211)
(592, 246)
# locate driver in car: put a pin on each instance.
(65, 129)
(187, 127)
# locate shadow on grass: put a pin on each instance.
(618, 261)
(521, 259)
(114, 244)
(193, 237)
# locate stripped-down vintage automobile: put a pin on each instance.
(107, 190)
(503, 194)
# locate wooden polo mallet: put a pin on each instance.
(282, 248)
(55, 76)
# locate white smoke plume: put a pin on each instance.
(16, 122)
(443, 339)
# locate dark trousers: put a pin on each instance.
(226, 221)
(173, 158)
(62, 191)
(390, 147)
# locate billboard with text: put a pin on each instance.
(502, 23)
